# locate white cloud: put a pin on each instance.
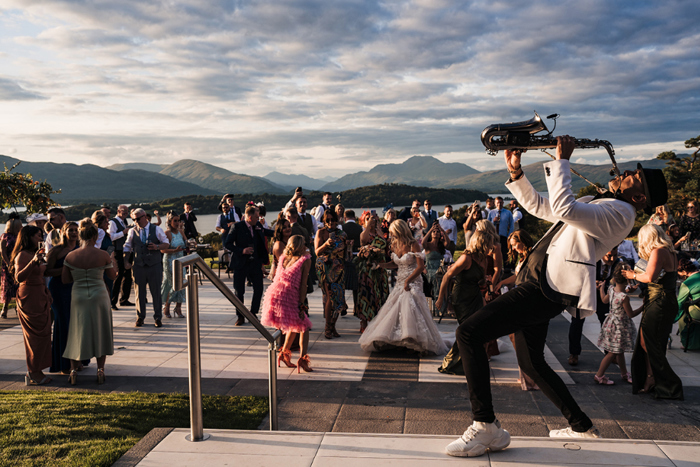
(340, 85)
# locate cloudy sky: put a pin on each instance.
(330, 87)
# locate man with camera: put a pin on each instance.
(558, 274)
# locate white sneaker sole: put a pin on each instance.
(479, 450)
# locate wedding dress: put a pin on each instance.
(405, 319)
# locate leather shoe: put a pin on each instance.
(114, 307)
(573, 360)
(240, 321)
(159, 323)
(126, 303)
(139, 322)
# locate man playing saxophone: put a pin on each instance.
(558, 274)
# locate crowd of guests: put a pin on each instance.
(52, 268)
(68, 277)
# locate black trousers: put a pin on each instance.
(252, 271)
(123, 280)
(526, 312)
(576, 327)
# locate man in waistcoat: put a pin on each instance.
(188, 219)
(118, 230)
(246, 242)
(146, 241)
(558, 274)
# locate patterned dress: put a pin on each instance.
(374, 283)
(281, 301)
(330, 269)
(7, 282)
(166, 289)
(692, 225)
(618, 330)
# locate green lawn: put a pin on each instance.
(93, 429)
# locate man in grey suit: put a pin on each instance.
(146, 242)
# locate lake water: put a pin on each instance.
(207, 222)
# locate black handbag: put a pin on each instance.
(427, 286)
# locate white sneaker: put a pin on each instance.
(569, 433)
(478, 438)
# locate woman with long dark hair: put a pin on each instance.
(331, 249)
(283, 230)
(61, 295)
(33, 303)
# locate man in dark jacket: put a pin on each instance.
(246, 242)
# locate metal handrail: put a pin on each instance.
(193, 345)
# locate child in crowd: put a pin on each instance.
(618, 330)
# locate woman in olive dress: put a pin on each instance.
(651, 372)
(331, 249)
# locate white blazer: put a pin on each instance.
(590, 230)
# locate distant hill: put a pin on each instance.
(219, 179)
(138, 166)
(422, 171)
(82, 183)
(493, 181)
(291, 181)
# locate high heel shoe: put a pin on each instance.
(178, 312)
(649, 385)
(627, 377)
(603, 380)
(100, 376)
(28, 381)
(304, 364)
(334, 332)
(166, 313)
(286, 357)
(73, 377)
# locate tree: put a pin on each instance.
(682, 177)
(17, 189)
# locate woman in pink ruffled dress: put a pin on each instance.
(284, 305)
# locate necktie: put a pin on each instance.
(142, 234)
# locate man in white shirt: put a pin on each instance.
(146, 241)
(57, 217)
(627, 252)
(449, 225)
(118, 229)
(517, 215)
(327, 199)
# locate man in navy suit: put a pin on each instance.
(246, 242)
(429, 215)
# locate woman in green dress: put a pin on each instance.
(90, 328)
(468, 273)
(331, 249)
(651, 372)
(373, 281)
(689, 292)
(176, 250)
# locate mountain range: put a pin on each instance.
(143, 182)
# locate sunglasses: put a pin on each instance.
(140, 217)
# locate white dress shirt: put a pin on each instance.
(136, 232)
(113, 234)
(446, 224)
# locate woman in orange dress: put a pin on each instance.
(33, 303)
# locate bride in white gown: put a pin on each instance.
(405, 319)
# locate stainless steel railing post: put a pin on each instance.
(194, 359)
(271, 358)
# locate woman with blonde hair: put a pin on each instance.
(176, 250)
(90, 329)
(468, 273)
(405, 319)
(651, 371)
(285, 306)
(8, 286)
